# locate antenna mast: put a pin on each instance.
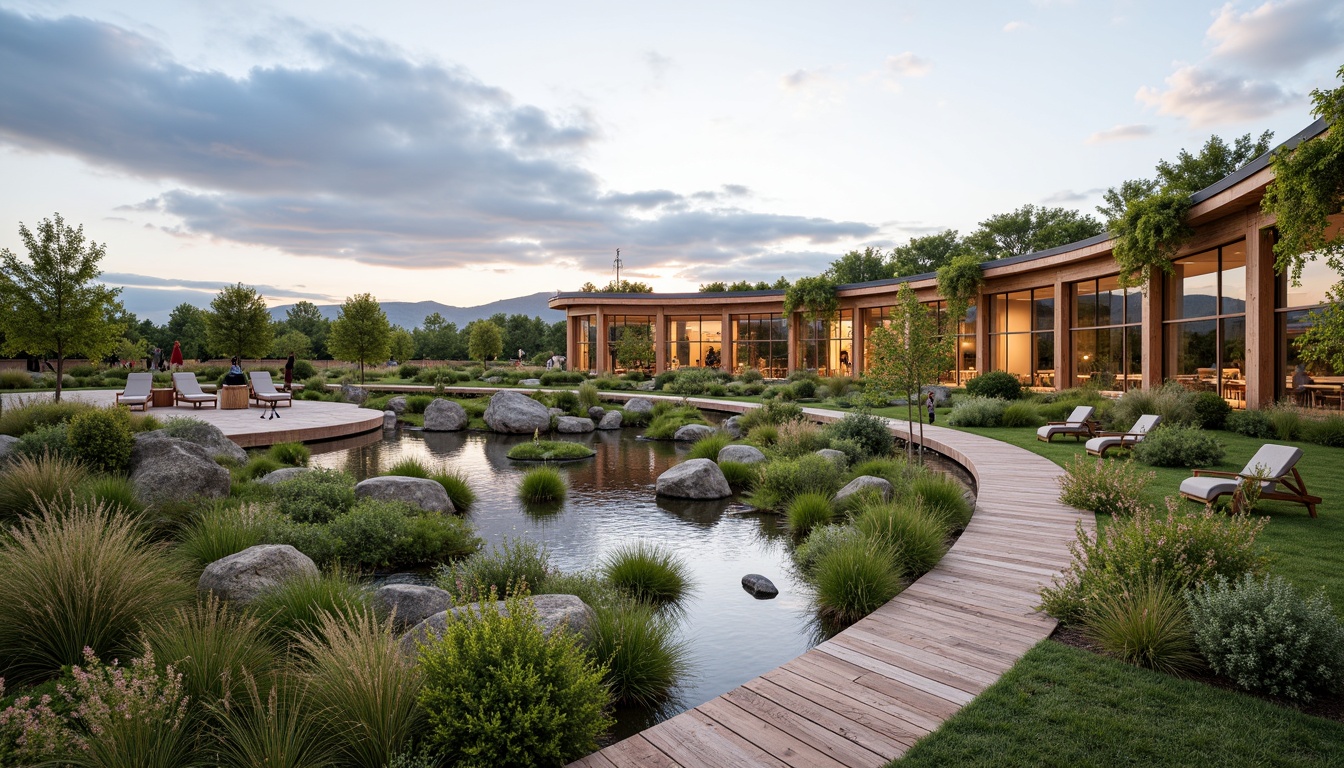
(617, 262)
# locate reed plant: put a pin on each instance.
(912, 537)
(409, 467)
(1144, 625)
(647, 572)
(740, 476)
(807, 511)
(28, 482)
(113, 491)
(852, 580)
(944, 498)
(639, 648)
(454, 482)
(222, 529)
(216, 647)
(275, 725)
(290, 454)
(708, 447)
(542, 485)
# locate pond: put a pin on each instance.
(732, 636)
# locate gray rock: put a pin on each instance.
(418, 492)
(530, 383)
(445, 416)
(692, 432)
(242, 577)
(281, 475)
(742, 454)
(413, 603)
(516, 414)
(597, 412)
(494, 380)
(838, 457)
(554, 613)
(694, 479)
(7, 443)
(573, 425)
(865, 483)
(352, 394)
(759, 586)
(208, 436)
(397, 404)
(639, 405)
(610, 420)
(733, 427)
(389, 419)
(646, 386)
(168, 469)
(557, 411)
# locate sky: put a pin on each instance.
(468, 152)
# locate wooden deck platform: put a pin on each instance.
(865, 696)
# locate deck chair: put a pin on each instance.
(1105, 441)
(1079, 424)
(187, 390)
(1282, 483)
(265, 393)
(137, 390)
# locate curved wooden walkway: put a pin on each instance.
(862, 698)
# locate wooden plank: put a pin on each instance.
(692, 744)
(777, 742)
(842, 747)
(894, 652)
(760, 756)
(845, 718)
(891, 671)
(638, 751)
(820, 689)
(595, 760)
(921, 712)
(981, 670)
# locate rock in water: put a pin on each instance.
(516, 414)
(694, 479)
(244, 576)
(418, 492)
(866, 483)
(554, 613)
(639, 405)
(759, 586)
(573, 425)
(742, 454)
(413, 603)
(445, 416)
(596, 412)
(692, 432)
(389, 419)
(167, 469)
(610, 420)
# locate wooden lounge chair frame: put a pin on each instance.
(144, 400)
(1292, 480)
(1089, 428)
(1127, 439)
(272, 398)
(197, 398)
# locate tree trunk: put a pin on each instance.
(909, 444)
(60, 374)
(921, 431)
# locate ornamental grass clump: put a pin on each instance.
(297, 604)
(454, 482)
(1267, 637)
(911, 537)
(409, 467)
(1146, 626)
(588, 395)
(944, 498)
(1175, 548)
(542, 485)
(708, 447)
(892, 469)
(112, 491)
(799, 438)
(740, 476)
(1176, 446)
(807, 511)
(219, 530)
(1021, 414)
(783, 479)
(28, 483)
(1105, 487)
(649, 573)
(977, 412)
(667, 420)
(290, 454)
(20, 418)
(1173, 402)
(277, 726)
(821, 541)
(639, 649)
(216, 647)
(499, 692)
(506, 568)
(853, 579)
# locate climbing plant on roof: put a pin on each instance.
(1149, 233)
(815, 297)
(959, 282)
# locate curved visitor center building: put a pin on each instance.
(1221, 321)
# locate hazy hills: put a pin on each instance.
(410, 314)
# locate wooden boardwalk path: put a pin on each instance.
(866, 695)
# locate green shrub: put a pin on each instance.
(454, 482)
(977, 412)
(218, 531)
(290, 454)
(418, 403)
(804, 389)
(78, 576)
(296, 605)
(853, 579)
(407, 371)
(48, 439)
(114, 492)
(1021, 414)
(666, 423)
(996, 384)
(303, 370)
(382, 534)
(751, 376)
(1106, 487)
(215, 647)
(912, 537)
(514, 566)
(1211, 410)
(1266, 637)
(1176, 446)
(1173, 402)
(807, 511)
(550, 450)
(868, 431)
(609, 383)
(1256, 424)
(1328, 431)
(568, 402)
(649, 573)
(763, 435)
(27, 483)
(556, 378)
(1145, 625)
(773, 413)
(498, 692)
(588, 395)
(799, 438)
(102, 439)
(316, 496)
(783, 479)
(893, 470)
(18, 419)
(708, 447)
(1176, 549)
(944, 498)
(639, 650)
(740, 476)
(16, 380)
(259, 466)
(542, 485)
(820, 541)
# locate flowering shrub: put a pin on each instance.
(1177, 549)
(1111, 488)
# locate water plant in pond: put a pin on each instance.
(638, 647)
(740, 476)
(852, 580)
(807, 511)
(290, 454)
(409, 467)
(647, 572)
(550, 450)
(667, 419)
(708, 447)
(454, 482)
(542, 485)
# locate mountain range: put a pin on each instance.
(411, 314)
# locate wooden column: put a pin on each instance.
(725, 344)
(795, 338)
(660, 342)
(601, 364)
(856, 354)
(1152, 357)
(1259, 366)
(1063, 339)
(572, 326)
(981, 334)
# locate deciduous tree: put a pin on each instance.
(925, 254)
(861, 267)
(1030, 229)
(908, 353)
(360, 333)
(186, 324)
(484, 341)
(306, 318)
(238, 323)
(401, 344)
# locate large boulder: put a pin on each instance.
(397, 405)
(554, 613)
(692, 432)
(352, 394)
(208, 436)
(838, 457)
(639, 405)
(694, 479)
(733, 427)
(647, 386)
(573, 425)
(759, 586)
(410, 603)
(610, 420)
(418, 492)
(244, 576)
(865, 483)
(7, 443)
(530, 383)
(596, 412)
(516, 414)
(281, 475)
(941, 394)
(742, 454)
(167, 469)
(445, 416)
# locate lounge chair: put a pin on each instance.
(1277, 465)
(1079, 424)
(137, 392)
(1105, 441)
(265, 393)
(187, 390)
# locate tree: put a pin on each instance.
(715, 287)
(292, 343)
(52, 303)
(401, 344)
(1214, 161)
(360, 333)
(626, 286)
(908, 353)
(925, 254)
(306, 318)
(814, 296)
(436, 339)
(238, 323)
(860, 267)
(634, 346)
(1029, 229)
(781, 284)
(186, 325)
(484, 341)
(959, 281)
(1119, 200)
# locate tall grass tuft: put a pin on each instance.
(218, 531)
(290, 454)
(258, 466)
(408, 467)
(852, 580)
(28, 482)
(77, 576)
(807, 511)
(895, 471)
(113, 491)
(353, 665)
(943, 498)
(509, 567)
(1145, 625)
(296, 606)
(541, 485)
(819, 542)
(276, 726)
(644, 660)
(454, 481)
(647, 572)
(588, 395)
(708, 447)
(740, 476)
(20, 418)
(215, 647)
(912, 537)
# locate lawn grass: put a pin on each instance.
(1062, 706)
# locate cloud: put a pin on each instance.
(1205, 97)
(1120, 133)
(127, 280)
(360, 153)
(1278, 36)
(658, 65)
(907, 65)
(1015, 26)
(767, 267)
(1066, 196)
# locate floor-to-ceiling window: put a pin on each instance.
(760, 342)
(695, 341)
(828, 345)
(963, 351)
(1205, 322)
(1107, 334)
(1292, 315)
(1022, 335)
(630, 342)
(585, 343)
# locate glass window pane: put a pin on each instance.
(1043, 309)
(1019, 311)
(1134, 353)
(1194, 286)
(1317, 277)
(1110, 301)
(1134, 305)
(1234, 347)
(1085, 304)
(1234, 278)
(968, 324)
(1084, 356)
(998, 313)
(1045, 359)
(1192, 353)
